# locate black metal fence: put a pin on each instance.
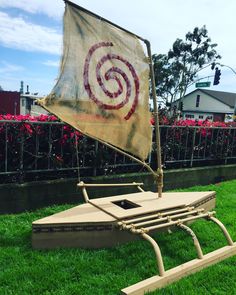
(46, 150)
(197, 146)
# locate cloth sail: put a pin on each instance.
(103, 86)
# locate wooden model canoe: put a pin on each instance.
(96, 224)
(110, 221)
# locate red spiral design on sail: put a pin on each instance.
(111, 74)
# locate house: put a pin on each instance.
(201, 104)
(29, 105)
(28, 102)
(10, 102)
(15, 103)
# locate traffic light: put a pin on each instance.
(217, 77)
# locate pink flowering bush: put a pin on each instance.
(203, 123)
(163, 120)
(43, 143)
(190, 142)
(33, 143)
(23, 124)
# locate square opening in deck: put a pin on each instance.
(125, 204)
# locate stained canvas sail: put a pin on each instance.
(102, 88)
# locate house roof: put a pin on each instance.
(227, 98)
(31, 96)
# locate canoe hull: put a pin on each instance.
(92, 227)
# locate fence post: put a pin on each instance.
(6, 147)
(36, 150)
(192, 153)
(95, 167)
(21, 170)
(49, 145)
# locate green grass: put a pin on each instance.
(86, 272)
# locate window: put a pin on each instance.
(23, 103)
(197, 101)
(188, 116)
(200, 117)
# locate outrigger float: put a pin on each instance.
(96, 52)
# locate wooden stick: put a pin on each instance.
(171, 223)
(157, 215)
(158, 220)
(189, 231)
(157, 130)
(82, 184)
(224, 230)
(180, 271)
(84, 191)
(144, 164)
(157, 251)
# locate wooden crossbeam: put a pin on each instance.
(82, 184)
(174, 274)
(167, 277)
(175, 222)
(167, 219)
(157, 215)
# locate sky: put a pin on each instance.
(31, 35)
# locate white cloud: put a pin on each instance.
(51, 63)
(161, 22)
(51, 8)
(7, 68)
(19, 34)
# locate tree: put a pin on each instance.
(176, 71)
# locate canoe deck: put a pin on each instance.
(94, 224)
(148, 202)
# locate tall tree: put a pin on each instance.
(177, 70)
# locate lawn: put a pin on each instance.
(93, 272)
